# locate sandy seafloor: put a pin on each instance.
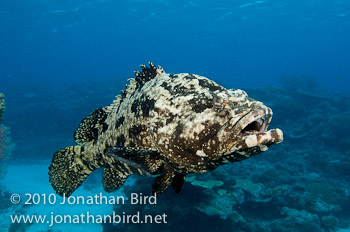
(32, 179)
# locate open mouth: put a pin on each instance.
(255, 122)
(256, 126)
(250, 132)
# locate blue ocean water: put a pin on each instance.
(60, 60)
(244, 43)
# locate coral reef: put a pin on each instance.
(6, 146)
(300, 220)
(2, 105)
(205, 184)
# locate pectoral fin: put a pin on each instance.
(143, 161)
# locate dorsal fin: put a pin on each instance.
(147, 73)
(89, 127)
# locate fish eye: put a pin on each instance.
(217, 100)
(219, 103)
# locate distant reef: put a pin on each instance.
(6, 145)
(2, 105)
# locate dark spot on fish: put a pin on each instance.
(178, 129)
(157, 110)
(170, 118)
(121, 140)
(190, 77)
(134, 106)
(135, 131)
(146, 106)
(210, 85)
(104, 126)
(168, 87)
(119, 122)
(172, 75)
(165, 85)
(198, 105)
(199, 108)
(180, 90)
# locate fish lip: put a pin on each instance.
(253, 144)
(255, 121)
(256, 126)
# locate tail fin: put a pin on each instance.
(68, 170)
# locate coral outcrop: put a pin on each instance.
(2, 105)
(6, 146)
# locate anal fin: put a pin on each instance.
(162, 182)
(113, 179)
(178, 182)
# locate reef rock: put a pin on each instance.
(2, 105)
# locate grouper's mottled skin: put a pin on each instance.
(168, 124)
